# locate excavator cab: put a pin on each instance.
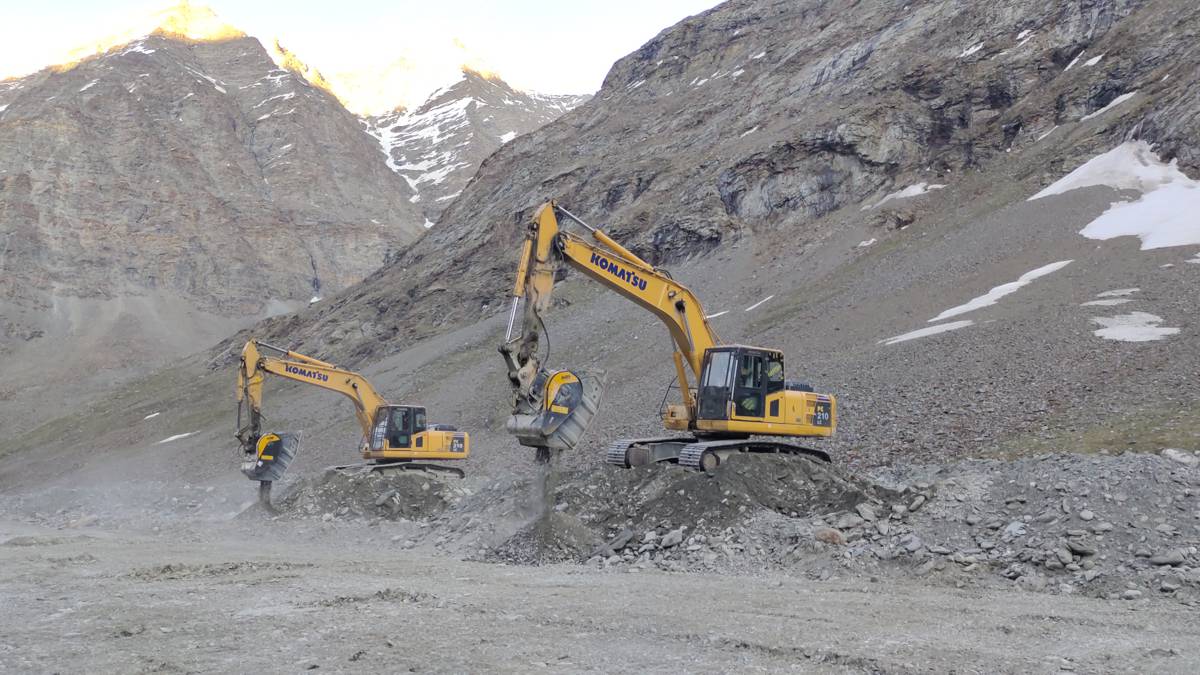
(401, 432)
(742, 391)
(736, 381)
(395, 426)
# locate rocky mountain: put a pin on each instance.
(726, 125)
(861, 199)
(156, 196)
(971, 222)
(437, 147)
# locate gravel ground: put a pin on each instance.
(278, 599)
(1116, 527)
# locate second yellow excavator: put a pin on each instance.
(394, 436)
(740, 401)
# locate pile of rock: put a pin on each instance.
(412, 495)
(1115, 527)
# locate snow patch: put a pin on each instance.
(152, 415)
(737, 73)
(924, 332)
(1052, 130)
(508, 137)
(1134, 327)
(970, 50)
(1194, 261)
(137, 48)
(428, 223)
(1164, 216)
(89, 85)
(1129, 166)
(1118, 293)
(993, 296)
(315, 299)
(1115, 102)
(1110, 302)
(281, 97)
(868, 242)
(1093, 61)
(177, 437)
(1073, 62)
(713, 316)
(749, 131)
(910, 191)
(758, 304)
(436, 177)
(758, 56)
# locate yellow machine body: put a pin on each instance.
(727, 391)
(390, 432)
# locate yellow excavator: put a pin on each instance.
(740, 401)
(394, 436)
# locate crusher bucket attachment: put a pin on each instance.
(272, 455)
(568, 401)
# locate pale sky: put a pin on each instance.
(552, 46)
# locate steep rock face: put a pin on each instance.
(438, 147)
(198, 168)
(158, 196)
(766, 115)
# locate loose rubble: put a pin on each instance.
(1119, 527)
(393, 494)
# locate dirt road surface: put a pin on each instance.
(231, 598)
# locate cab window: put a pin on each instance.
(774, 373)
(748, 396)
(718, 370)
(750, 372)
(400, 428)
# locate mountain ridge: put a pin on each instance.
(438, 146)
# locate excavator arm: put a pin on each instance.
(256, 364)
(546, 250)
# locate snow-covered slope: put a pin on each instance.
(438, 146)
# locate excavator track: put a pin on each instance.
(708, 455)
(380, 467)
(631, 452)
(694, 453)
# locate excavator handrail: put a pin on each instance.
(673, 385)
